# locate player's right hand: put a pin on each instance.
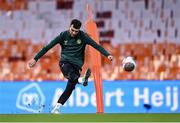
(31, 63)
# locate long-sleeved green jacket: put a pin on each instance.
(72, 48)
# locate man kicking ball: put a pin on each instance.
(73, 43)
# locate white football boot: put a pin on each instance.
(56, 108)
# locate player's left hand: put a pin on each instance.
(31, 63)
(110, 57)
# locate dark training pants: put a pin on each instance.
(72, 73)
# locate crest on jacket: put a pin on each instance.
(79, 41)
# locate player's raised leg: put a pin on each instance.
(86, 76)
(84, 80)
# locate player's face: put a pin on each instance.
(73, 31)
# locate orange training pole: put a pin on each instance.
(95, 60)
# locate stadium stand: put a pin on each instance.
(149, 30)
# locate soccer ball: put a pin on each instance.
(128, 64)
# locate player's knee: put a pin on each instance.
(71, 86)
(73, 77)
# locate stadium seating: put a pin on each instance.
(149, 31)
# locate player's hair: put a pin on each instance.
(76, 23)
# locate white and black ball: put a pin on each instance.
(129, 64)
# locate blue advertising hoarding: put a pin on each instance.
(119, 97)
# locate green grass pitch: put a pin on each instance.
(90, 118)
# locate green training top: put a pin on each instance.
(72, 48)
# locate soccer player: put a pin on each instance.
(73, 42)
